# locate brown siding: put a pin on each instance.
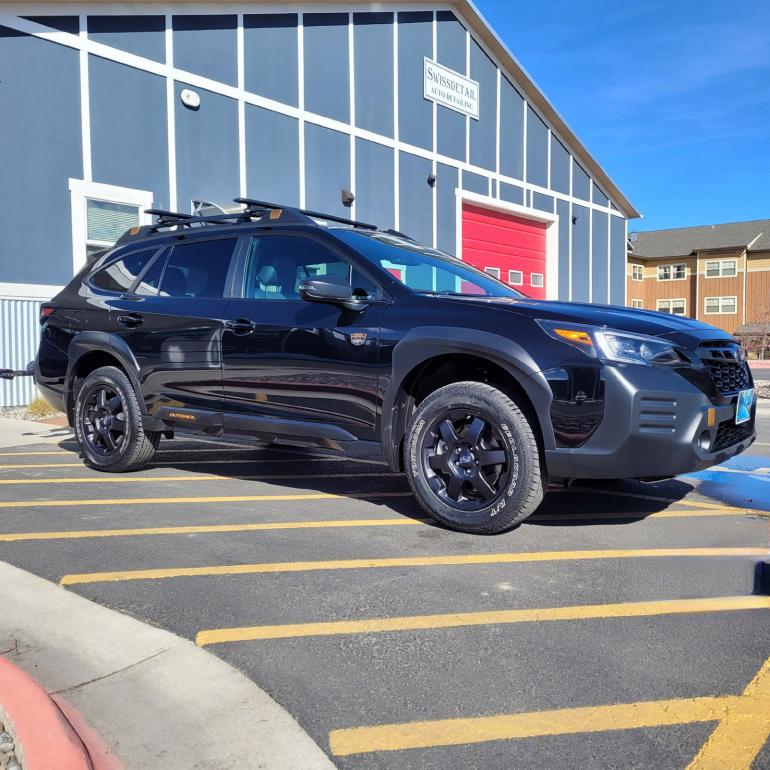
(696, 287)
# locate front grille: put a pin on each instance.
(729, 434)
(729, 376)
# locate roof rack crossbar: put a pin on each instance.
(253, 204)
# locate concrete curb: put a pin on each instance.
(156, 699)
(45, 739)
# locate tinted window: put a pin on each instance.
(150, 283)
(198, 269)
(277, 265)
(120, 275)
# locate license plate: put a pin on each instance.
(743, 407)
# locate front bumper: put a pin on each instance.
(652, 427)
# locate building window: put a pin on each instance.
(637, 272)
(536, 280)
(637, 303)
(725, 268)
(672, 272)
(493, 271)
(672, 306)
(101, 213)
(515, 277)
(721, 305)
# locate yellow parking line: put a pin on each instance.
(587, 719)
(739, 736)
(136, 479)
(174, 463)
(199, 500)
(495, 617)
(721, 510)
(744, 725)
(408, 561)
(36, 454)
(16, 537)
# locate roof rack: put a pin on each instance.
(255, 205)
(253, 209)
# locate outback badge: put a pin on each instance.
(358, 338)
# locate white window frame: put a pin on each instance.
(637, 269)
(720, 263)
(721, 302)
(672, 269)
(532, 283)
(81, 192)
(638, 304)
(551, 222)
(669, 302)
(493, 271)
(520, 273)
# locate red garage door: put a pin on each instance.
(495, 241)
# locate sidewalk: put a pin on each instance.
(21, 432)
(156, 699)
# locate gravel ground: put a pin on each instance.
(8, 759)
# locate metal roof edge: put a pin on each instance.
(495, 43)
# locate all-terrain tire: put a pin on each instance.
(431, 463)
(136, 447)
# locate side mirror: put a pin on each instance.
(331, 289)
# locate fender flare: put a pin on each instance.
(422, 343)
(102, 342)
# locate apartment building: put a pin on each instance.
(719, 274)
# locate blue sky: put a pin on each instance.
(672, 98)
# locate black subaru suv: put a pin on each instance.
(285, 326)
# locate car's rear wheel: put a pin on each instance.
(108, 423)
(472, 459)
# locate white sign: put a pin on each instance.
(451, 89)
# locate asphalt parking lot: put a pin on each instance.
(621, 626)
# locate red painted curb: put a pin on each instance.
(46, 737)
(759, 364)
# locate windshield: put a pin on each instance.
(422, 269)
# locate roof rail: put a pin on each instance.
(253, 209)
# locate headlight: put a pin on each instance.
(609, 345)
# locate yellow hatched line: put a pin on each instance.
(498, 617)
(137, 479)
(200, 500)
(744, 726)
(16, 537)
(410, 561)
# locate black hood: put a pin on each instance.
(679, 328)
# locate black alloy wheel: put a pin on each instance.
(465, 460)
(472, 459)
(104, 420)
(108, 423)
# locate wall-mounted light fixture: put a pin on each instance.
(190, 99)
(431, 180)
(347, 197)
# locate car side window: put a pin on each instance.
(119, 276)
(277, 265)
(198, 269)
(149, 284)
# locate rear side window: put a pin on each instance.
(198, 269)
(119, 276)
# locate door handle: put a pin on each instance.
(131, 320)
(241, 326)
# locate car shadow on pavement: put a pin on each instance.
(580, 504)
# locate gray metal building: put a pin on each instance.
(417, 109)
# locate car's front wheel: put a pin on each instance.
(108, 423)
(472, 459)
